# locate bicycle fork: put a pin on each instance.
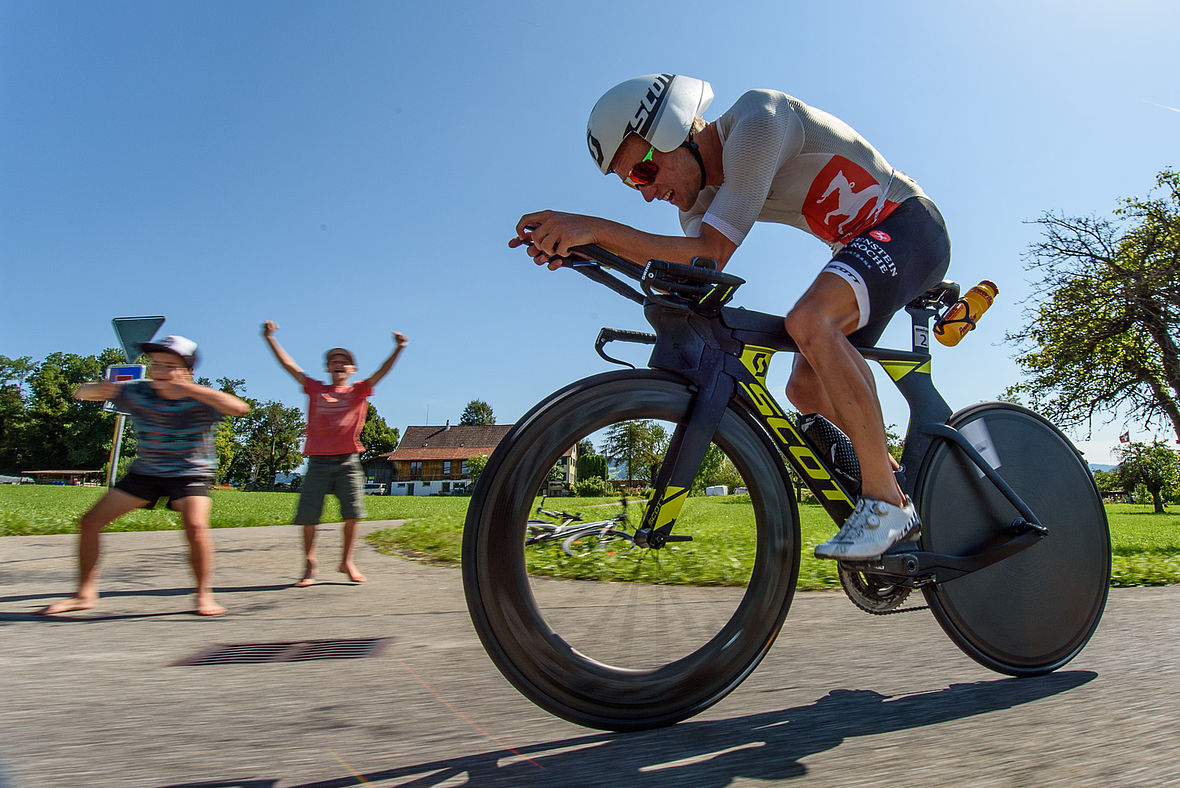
(686, 450)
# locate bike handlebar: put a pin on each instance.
(704, 289)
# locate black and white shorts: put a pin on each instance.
(892, 264)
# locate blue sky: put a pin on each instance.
(351, 169)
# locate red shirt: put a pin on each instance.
(335, 416)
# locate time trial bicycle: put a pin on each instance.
(1013, 558)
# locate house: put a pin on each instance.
(435, 460)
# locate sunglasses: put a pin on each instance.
(643, 173)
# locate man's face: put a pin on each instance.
(678, 180)
(340, 368)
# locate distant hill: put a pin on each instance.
(1097, 467)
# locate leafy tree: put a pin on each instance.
(478, 413)
(268, 443)
(56, 430)
(376, 436)
(13, 372)
(1107, 481)
(709, 470)
(586, 448)
(638, 446)
(475, 466)
(1102, 337)
(1153, 465)
(590, 467)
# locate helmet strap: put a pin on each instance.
(692, 146)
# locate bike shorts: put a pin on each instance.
(152, 488)
(892, 264)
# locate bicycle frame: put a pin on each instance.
(725, 353)
(729, 357)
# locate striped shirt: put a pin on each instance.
(175, 435)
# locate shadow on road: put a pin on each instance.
(95, 615)
(765, 746)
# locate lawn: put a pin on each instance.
(1146, 546)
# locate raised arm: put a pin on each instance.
(401, 342)
(222, 401)
(96, 392)
(285, 361)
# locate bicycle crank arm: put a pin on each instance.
(917, 568)
(656, 538)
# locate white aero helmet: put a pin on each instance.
(658, 107)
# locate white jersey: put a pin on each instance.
(789, 163)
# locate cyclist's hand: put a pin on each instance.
(269, 327)
(400, 339)
(550, 234)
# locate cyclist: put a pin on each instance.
(773, 158)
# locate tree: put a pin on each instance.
(475, 467)
(638, 446)
(477, 413)
(376, 436)
(1102, 336)
(709, 470)
(13, 372)
(268, 440)
(586, 448)
(590, 466)
(56, 430)
(1153, 465)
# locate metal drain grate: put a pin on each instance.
(301, 651)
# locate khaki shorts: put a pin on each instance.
(338, 474)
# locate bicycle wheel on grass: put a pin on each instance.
(600, 541)
(633, 645)
(1034, 611)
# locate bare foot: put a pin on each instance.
(308, 576)
(207, 607)
(353, 573)
(66, 605)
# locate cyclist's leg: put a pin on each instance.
(819, 323)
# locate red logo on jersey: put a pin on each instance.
(843, 200)
(880, 235)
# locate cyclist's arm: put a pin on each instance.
(552, 233)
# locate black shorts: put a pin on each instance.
(153, 488)
(892, 264)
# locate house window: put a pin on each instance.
(465, 470)
(415, 470)
(446, 467)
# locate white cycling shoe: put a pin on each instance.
(873, 527)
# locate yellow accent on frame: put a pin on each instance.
(899, 369)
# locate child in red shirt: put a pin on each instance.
(335, 416)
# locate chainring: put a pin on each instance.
(870, 593)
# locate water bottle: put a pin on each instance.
(835, 447)
(961, 317)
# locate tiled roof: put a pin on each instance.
(459, 442)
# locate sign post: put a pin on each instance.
(131, 332)
(118, 373)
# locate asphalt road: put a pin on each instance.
(93, 698)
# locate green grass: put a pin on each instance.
(27, 510)
(1146, 546)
